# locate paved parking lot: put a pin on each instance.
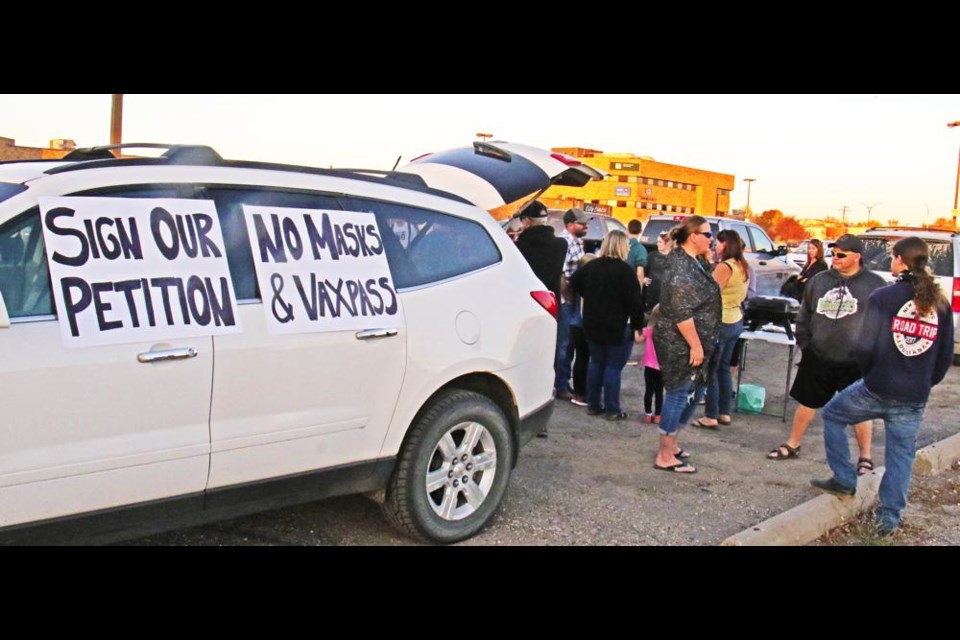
(593, 482)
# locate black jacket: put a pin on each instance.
(902, 356)
(611, 297)
(545, 253)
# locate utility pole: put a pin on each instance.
(116, 118)
(843, 213)
(869, 209)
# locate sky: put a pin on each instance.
(810, 155)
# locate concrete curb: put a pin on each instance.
(808, 521)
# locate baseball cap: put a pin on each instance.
(575, 215)
(848, 242)
(533, 210)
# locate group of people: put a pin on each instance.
(868, 350)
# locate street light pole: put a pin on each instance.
(750, 182)
(956, 190)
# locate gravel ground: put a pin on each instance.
(592, 483)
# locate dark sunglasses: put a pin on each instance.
(707, 234)
(839, 254)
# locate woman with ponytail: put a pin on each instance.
(905, 347)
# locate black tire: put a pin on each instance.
(445, 515)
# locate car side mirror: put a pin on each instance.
(783, 250)
(4, 317)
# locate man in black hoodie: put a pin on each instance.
(904, 347)
(827, 326)
(543, 250)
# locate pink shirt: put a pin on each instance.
(649, 353)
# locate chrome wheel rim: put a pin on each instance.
(461, 471)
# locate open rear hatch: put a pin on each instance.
(500, 177)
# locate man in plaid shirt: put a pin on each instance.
(576, 227)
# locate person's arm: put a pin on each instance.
(803, 317)
(689, 332)
(945, 354)
(870, 331)
(722, 273)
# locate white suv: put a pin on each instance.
(944, 245)
(186, 338)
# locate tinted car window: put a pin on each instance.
(24, 278)
(878, 251)
(425, 246)
(761, 243)
(741, 230)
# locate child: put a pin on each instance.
(653, 382)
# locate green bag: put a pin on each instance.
(750, 398)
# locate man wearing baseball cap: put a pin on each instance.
(544, 251)
(834, 303)
(576, 222)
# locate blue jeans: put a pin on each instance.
(678, 406)
(901, 421)
(563, 357)
(605, 372)
(720, 382)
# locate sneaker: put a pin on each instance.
(614, 417)
(648, 418)
(594, 412)
(564, 395)
(580, 401)
(832, 486)
(543, 434)
(656, 419)
(633, 363)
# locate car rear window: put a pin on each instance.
(654, 226)
(877, 252)
(10, 189)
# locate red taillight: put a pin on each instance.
(955, 300)
(570, 161)
(547, 300)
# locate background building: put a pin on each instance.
(639, 186)
(58, 148)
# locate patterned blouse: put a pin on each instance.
(688, 291)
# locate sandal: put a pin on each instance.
(791, 452)
(864, 466)
(701, 425)
(681, 454)
(680, 467)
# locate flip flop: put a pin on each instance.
(680, 467)
(700, 425)
(683, 454)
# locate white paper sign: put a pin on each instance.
(136, 270)
(321, 270)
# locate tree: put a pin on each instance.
(943, 223)
(769, 220)
(893, 222)
(789, 229)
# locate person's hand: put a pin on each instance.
(696, 355)
(647, 282)
(637, 337)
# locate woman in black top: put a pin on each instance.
(815, 262)
(611, 298)
(656, 269)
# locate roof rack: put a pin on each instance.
(175, 153)
(946, 229)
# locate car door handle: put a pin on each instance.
(366, 334)
(762, 262)
(167, 354)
